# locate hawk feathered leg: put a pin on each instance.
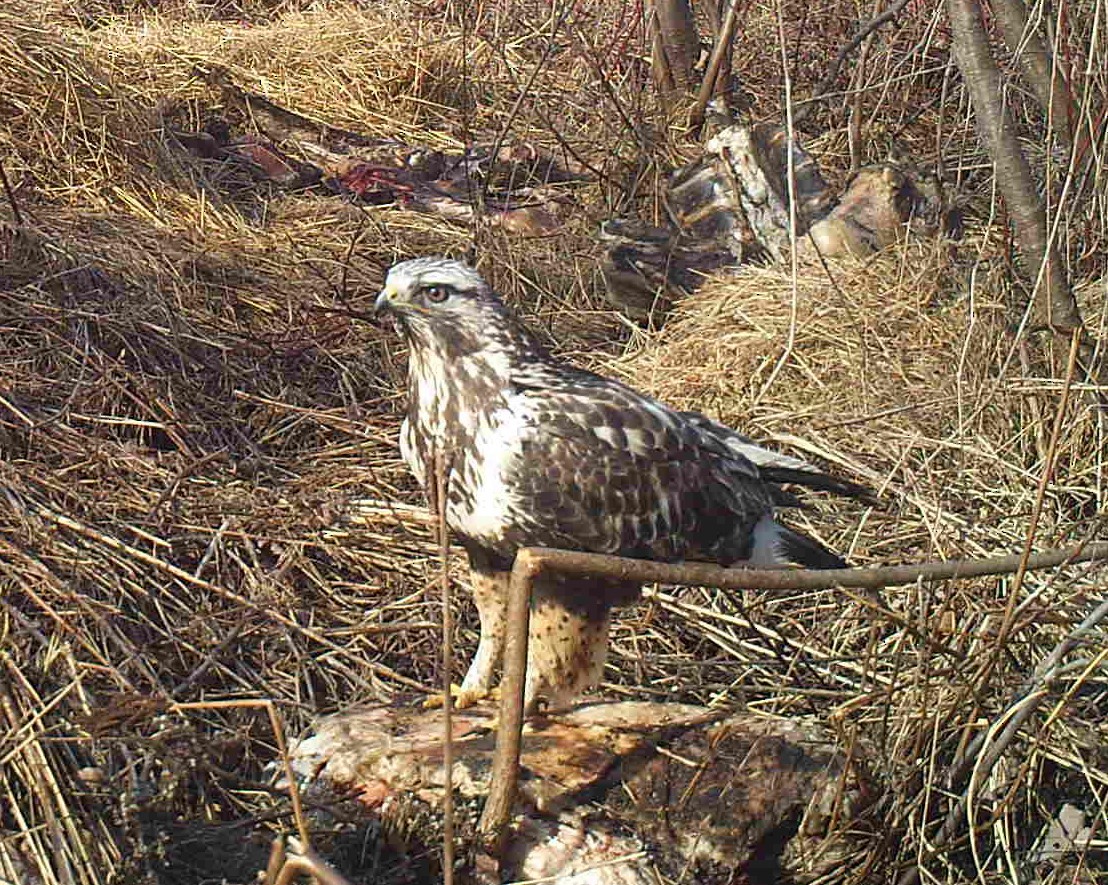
(568, 638)
(490, 592)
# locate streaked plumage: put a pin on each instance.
(542, 453)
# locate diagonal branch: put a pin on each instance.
(530, 562)
(805, 107)
(1054, 304)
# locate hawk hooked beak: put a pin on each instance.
(384, 304)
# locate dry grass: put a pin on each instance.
(184, 433)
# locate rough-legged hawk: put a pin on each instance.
(541, 453)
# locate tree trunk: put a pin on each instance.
(676, 45)
(1055, 305)
(1037, 63)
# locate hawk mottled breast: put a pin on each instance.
(542, 453)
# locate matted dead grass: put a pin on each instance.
(201, 496)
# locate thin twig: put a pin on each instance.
(606, 87)
(807, 105)
(1032, 694)
(10, 193)
(1040, 494)
(790, 178)
(442, 481)
(715, 63)
(1010, 610)
(524, 92)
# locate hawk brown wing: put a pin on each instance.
(599, 467)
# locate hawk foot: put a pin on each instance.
(463, 697)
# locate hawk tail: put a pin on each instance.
(823, 482)
(807, 552)
(778, 545)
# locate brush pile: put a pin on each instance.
(201, 498)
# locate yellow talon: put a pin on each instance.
(462, 698)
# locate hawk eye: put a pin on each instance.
(437, 294)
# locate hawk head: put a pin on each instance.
(446, 305)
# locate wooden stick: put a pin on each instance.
(871, 577)
(493, 827)
(442, 481)
(530, 562)
(715, 63)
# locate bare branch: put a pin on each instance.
(1046, 78)
(805, 107)
(442, 481)
(530, 562)
(1055, 305)
(875, 577)
(720, 52)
